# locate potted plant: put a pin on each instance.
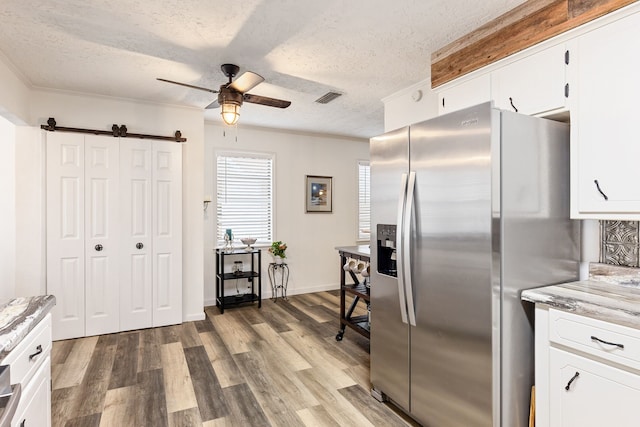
(278, 249)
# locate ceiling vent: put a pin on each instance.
(328, 97)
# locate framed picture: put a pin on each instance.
(319, 194)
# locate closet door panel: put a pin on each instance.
(65, 233)
(102, 233)
(136, 198)
(167, 233)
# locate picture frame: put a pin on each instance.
(319, 194)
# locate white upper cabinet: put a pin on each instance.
(466, 94)
(533, 85)
(605, 150)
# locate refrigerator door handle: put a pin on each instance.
(399, 249)
(406, 251)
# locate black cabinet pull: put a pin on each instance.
(99, 247)
(23, 423)
(38, 351)
(607, 342)
(513, 106)
(139, 245)
(573, 378)
(599, 190)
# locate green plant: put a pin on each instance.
(278, 248)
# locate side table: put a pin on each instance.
(280, 271)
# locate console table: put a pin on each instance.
(358, 289)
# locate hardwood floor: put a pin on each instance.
(275, 366)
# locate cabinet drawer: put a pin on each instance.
(616, 343)
(29, 354)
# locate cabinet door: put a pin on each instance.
(65, 232)
(136, 200)
(605, 124)
(34, 408)
(102, 234)
(532, 85)
(598, 395)
(466, 94)
(167, 233)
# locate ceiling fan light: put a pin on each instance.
(230, 113)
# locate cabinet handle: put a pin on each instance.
(99, 247)
(38, 351)
(139, 245)
(599, 190)
(593, 338)
(573, 378)
(513, 106)
(23, 423)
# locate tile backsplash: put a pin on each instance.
(620, 243)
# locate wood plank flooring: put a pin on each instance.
(275, 366)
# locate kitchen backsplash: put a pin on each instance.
(620, 243)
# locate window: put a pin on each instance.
(245, 196)
(364, 200)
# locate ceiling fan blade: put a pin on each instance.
(247, 81)
(188, 85)
(214, 104)
(263, 100)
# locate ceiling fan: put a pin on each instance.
(232, 94)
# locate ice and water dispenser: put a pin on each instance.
(386, 248)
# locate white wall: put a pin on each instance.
(7, 211)
(311, 238)
(95, 112)
(14, 93)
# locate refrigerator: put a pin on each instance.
(467, 210)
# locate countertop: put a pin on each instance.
(361, 250)
(18, 317)
(611, 294)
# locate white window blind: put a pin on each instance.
(364, 200)
(245, 196)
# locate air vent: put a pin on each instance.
(328, 97)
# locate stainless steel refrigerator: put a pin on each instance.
(467, 210)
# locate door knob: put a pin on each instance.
(139, 245)
(99, 247)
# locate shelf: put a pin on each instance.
(358, 324)
(243, 275)
(253, 276)
(238, 299)
(360, 290)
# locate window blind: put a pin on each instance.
(364, 200)
(245, 196)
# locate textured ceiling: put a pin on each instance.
(364, 49)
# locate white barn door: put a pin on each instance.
(136, 276)
(167, 233)
(102, 233)
(65, 232)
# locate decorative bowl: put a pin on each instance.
(248, 241)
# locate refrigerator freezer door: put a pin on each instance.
(451, 346)
(389, 344)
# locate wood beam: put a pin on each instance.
(528, 24)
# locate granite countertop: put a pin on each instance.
(18, 317)
(611, 294)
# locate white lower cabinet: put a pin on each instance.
(30, 364)
(587, 371)
(35, 404)
(114, 233)
(584, 392)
